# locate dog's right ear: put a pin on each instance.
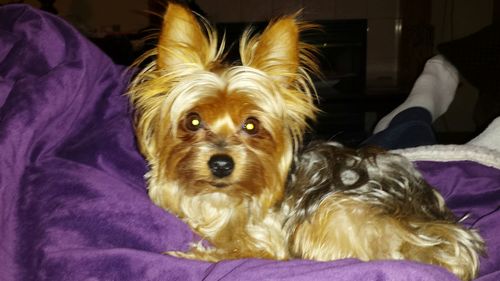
(182, 40)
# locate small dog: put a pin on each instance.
(220, 140)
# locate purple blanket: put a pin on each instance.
(73, 202)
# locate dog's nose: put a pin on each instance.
(221, 165)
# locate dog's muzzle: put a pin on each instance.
(221, 165)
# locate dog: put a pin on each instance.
(220, 140)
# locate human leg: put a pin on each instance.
(409, 128)
(433, 90)
(410, 124)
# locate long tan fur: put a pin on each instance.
(373, 205)
(220, 139)
(237, 214)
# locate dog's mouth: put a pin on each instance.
(216, 184)
(219, 184)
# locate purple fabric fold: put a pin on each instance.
(73, 201)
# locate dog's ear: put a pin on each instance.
(275, 51)
(182, 40)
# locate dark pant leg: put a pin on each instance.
(410, 128)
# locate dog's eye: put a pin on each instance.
(251, 126)
(193, 122)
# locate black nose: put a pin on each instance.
(221, 165)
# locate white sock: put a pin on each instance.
(490, 137)
(433, 90)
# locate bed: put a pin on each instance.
(73, 201)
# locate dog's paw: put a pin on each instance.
(179, 254)
(209, 255)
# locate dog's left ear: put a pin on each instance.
(276, 51)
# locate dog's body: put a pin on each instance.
(220, 140)
(370, 204)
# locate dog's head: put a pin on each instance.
(207, 127)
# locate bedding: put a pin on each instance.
(73, 201)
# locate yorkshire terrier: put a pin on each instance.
(220, 140)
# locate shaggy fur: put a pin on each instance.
(220, 140)
(370, 204)
(253, 114)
